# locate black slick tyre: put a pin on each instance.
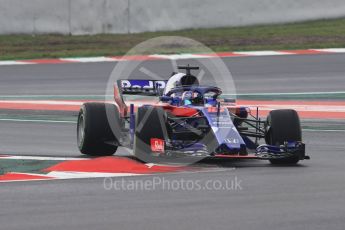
(95, 136)
(283, 125)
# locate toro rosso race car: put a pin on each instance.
(188, 120)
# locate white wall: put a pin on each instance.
(152, 15)
(34, 16)
(99, 16)
(63, 16)
(122, 16)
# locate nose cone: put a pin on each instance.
(225, 132)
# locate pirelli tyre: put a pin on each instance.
(94, 134)
(150, 133)
(283, 125)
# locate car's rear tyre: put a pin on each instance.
(95, 137)
(151, 122)
(283, 125)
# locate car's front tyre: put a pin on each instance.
(94, 134)
(283, 125)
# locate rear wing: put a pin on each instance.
(136, 87)
(141, 87)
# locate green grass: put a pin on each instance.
(25, 166)
(312, 34)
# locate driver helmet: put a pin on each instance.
(187, 97)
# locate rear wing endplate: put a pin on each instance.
(136, 87)
(141, 87)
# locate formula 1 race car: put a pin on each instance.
(189, 120)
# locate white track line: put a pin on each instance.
(323, 130)
(90, 59)
(76, 175)
(262, 53)
(297, 93)
(332, 50)
(40, 158)
(179, 56)
(52, 96)
(15, 63)
(33, 120)
(41, 102)
(175, 56)
(301, 108)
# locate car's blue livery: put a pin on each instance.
(188, 120)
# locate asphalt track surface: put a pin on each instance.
(308, 196)
(290, 73)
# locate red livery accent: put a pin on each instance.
(119, 101)
(157, 145)
(180, 111)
